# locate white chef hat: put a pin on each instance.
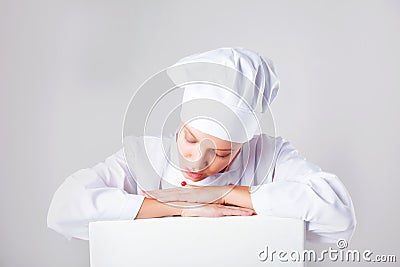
(226, 91)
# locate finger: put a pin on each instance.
(159, 196)
(169, 195)
(236, 212)
(172, 191)
(192, 186)
(180, 194)
(246, 210)
(240, 208)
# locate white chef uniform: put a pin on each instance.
(283, 183)
(294, 187)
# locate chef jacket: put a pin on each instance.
(282, 183)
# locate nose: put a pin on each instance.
(199, 159)
(196, 153)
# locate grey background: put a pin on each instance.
(69, 68)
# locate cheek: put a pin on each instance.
(183, 148)
(218, 164)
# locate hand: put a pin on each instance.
(215, 210)
(190, 193)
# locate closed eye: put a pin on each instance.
(191, 141)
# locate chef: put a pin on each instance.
(219, 162)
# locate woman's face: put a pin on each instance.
(202, 155)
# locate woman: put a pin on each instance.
(217, 164)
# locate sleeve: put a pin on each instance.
(94, 194)
(300, 189)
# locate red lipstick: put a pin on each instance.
(194, 175)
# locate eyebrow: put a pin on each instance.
(228, 149)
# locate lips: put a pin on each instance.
(194, 174)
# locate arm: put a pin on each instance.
(108, 192)
(152, 208)
(239, 196)
(300, 189)
(104, 192)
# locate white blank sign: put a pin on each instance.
(195, 241)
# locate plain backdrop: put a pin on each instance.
(69, 68)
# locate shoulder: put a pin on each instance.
(277, 151)
(141, 144)
(283, 156)
(142, 149)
